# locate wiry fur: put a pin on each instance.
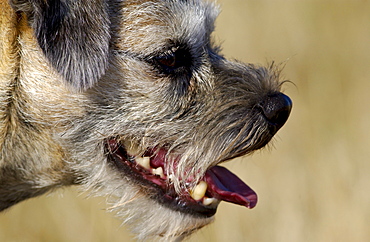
(73, 74)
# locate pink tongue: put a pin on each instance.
(226, 186)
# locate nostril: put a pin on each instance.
(276, 108)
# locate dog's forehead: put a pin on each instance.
(156, 23)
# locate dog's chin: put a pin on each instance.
(149, 220)
(148, 170)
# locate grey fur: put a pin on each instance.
(144, 73)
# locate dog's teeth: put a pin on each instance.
(199, 190)
(209, 200)
(131, 148)
(170, 177)
(158, 171)
(144, 162)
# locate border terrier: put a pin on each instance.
(131, 100)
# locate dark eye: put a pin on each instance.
(167, 60)
(175, 60)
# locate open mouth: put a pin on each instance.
(218, 183)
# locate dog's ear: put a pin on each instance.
(73, 34)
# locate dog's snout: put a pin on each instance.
(276, 109)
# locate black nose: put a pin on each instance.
(276, 109)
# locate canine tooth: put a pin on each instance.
(144, 162)
(199, 190)
(158, 171)
(208, 201)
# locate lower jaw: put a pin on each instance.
(165, 196)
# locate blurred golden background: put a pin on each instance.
(314, 181)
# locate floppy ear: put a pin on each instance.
(74, 36)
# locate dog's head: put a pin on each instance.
(163, 107)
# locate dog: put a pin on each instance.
(131, 100)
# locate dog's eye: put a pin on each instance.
(168, 60)
(174, 60)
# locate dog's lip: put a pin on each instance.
(221, 183)
(155, 187)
